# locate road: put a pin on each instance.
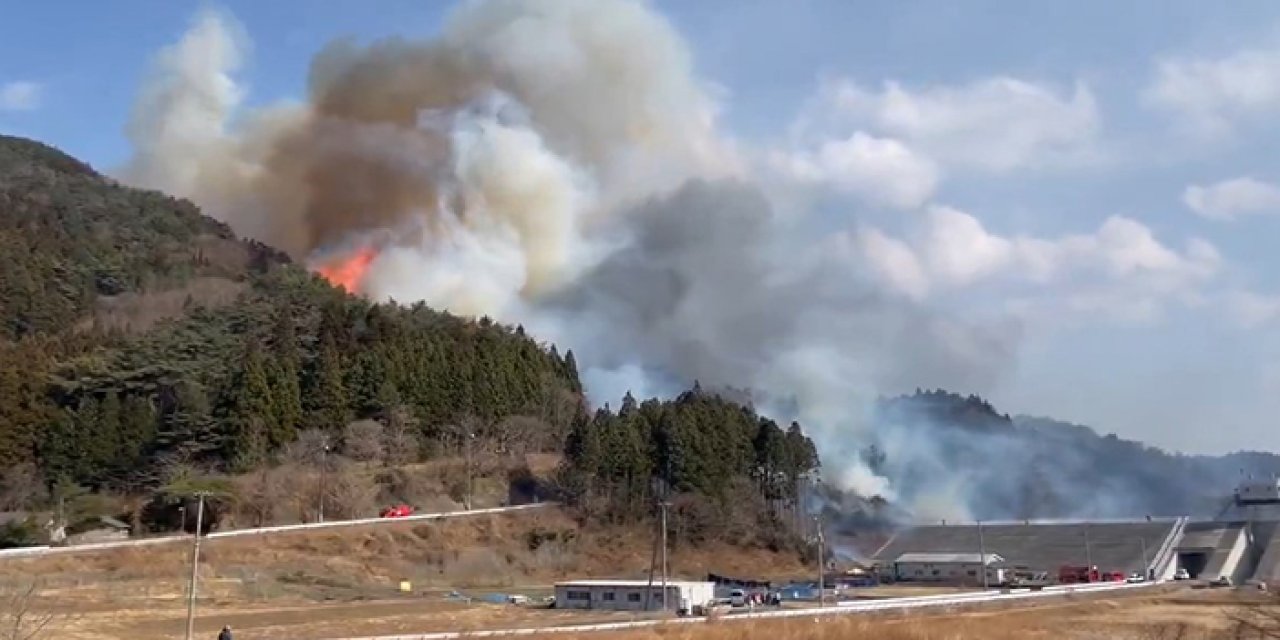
(27, 552)
(901, 605)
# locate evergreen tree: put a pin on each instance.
(252, 410)
(571, 370)
(286, 394)
(328, 393)
(137, 433)
(187, 430)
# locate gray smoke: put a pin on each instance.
(965, 462)
(557, 163)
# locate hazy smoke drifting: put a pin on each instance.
(556, 163)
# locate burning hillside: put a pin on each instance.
(555, 163)
(349, 270)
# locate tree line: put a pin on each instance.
(722, 466)
(228, 388)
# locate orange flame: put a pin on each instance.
(349, 272)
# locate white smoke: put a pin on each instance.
(555, 163)
(179, 124)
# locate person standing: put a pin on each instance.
(226, 633)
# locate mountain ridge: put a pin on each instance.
(935, 443)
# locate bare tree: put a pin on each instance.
(350, 493)
(363, 441)
(260, 495)
(402, 445)
(309, 449)
(471, 428)
(299, 492)
(518, 435)
(559, 406)
(20, 619)
(21, 488)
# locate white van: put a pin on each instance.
(738, 598)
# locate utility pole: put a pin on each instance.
(664, 505)
(195, 568)
(1088, 552)
(817, 521)
(467, 445)
(653, 563)
(982, 557)
(324, 465)
(1146, 567)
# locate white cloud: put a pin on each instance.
(996, 124)
(894, 262)
(20, 96)
(1210, 95)
(1120, 268)
(1253, 309)
(882, 171)
(1233, 198)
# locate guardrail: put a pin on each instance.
(844, 608)
(261, 531)
(367, 521)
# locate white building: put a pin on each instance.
(1264, 491)
(955, 568)
(629, 595)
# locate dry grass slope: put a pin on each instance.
(498, 551)
(1177, 616)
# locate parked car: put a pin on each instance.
(738, 598)
(1181, 574)
(1220, 581)
(397, 511)
(1135, 578)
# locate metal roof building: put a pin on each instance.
(949, 558)
(634, 595)
(950, 567)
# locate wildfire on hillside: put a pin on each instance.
(348, 271)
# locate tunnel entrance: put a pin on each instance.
(1193, 562)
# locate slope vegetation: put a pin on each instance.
(136, 332)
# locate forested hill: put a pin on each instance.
(139, 337)
(136, 333)
(936, 443)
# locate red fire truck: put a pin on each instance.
(1079, 574)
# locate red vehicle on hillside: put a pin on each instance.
(398, 511)
(1078, 574)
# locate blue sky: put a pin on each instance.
(1116, 157)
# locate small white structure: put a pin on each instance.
(629, 595)
(948, 567)
(1265, 491)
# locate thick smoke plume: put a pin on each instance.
(555, 163)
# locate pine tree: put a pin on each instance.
(328, 393)
(137, 433)
(251, 412)
(286, 393)
(571, 371)
(187, 431)
(284, 372)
